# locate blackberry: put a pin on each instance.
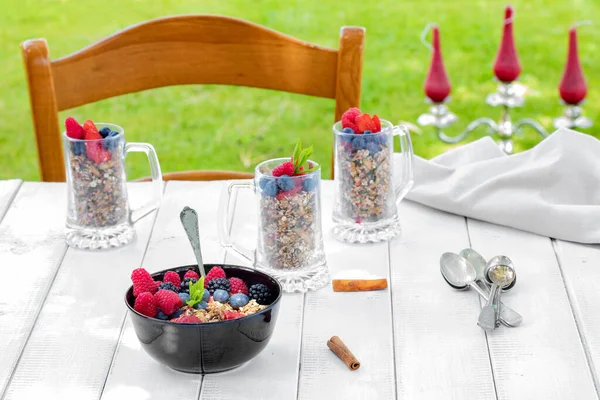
(168, 286)
(218, 283)
(185, 285)
(260, 293)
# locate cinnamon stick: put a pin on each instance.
(339, 348)
(358, 285)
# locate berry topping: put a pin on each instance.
(237, 286)
(187, 319)
(348, 130)
(168, 301)
(104, 132)
(260, 293)
(359, 122)
(111, 142)
(287, 168)
(263, 181)
(289, 193)
(145, 304)
(238, 300)
(172, 277)
(365, 123)
(201, 306)
(142, 282)
(168, 286)
(205, 295)
(377, 123)
(162, 315)
(349, 119)
(215, 272)
(367, 132)
(78, 148)
(185, 284)
(221, 296)
(74, 130)
(227, 315)
(218, 283)
(373, 147)
(270, 189)
(191, 274)
(285, 182)
(185, 297)
(309, 184)
(95, 151)
(359, 143)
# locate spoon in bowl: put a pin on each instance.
(189, 220)
(500, 272)
(460, 274)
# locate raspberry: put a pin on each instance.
(287, 168)
(349, 118)
(146, 305)
(168, 301)
(187, 319)
(172, 277)
(377, 123)
(94, 150)
(227, 315)
(237, 286)
(365, 123)
(191, 274)
(74, 130)
(215, 272)
(289, 193)
(142, 282)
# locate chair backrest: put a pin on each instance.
(193, 49)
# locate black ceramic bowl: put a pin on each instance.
(212, 346)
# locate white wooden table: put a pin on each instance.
(65, 333)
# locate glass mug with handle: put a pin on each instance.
(370, 182)
(98, 214)
(290, 236)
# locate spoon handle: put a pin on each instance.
(507, 315)
(487, 317)
(189, 220)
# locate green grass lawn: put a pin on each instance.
(211, 127)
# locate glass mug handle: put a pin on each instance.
(157, 182)
(224, 219)
(406, 182)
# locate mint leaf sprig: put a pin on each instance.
(300, 157)
(196, 292)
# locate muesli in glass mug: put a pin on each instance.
(98, 215)
(370, 182)
(290, 237)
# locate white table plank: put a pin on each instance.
(276, 368)
(441, 353)
(8, 190)
(544, 357)
(363, 320)
(134, 371)
(70, 350)
(32, 247)
(580, 269)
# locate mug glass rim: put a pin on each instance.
(384, 122)
(257, 171)
(113, 127)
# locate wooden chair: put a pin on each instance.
(193, 49)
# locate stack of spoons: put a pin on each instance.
(489, 279)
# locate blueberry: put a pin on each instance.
(373, 148)
(201, 306)
(78, 148)
(238, 300)
(221, 296)
(270, 189)
(285, 183)
(346, 138)
(263, 181)
(381, 139)
(104, 132)
(185, 297)
(309, 184)
(111, 142)
(176, 314)
(359, 143)
(206, 295)
(348, 130)
(162, 315)
(367, 132)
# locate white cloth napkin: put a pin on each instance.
(552, 190)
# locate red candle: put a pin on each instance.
(572, 86)
(437, 85)
(506, 65)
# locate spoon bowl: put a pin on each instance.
(476, 260)
(457, 271)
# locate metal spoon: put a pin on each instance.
(509, 317)
(459, 274)
(189, 220)
(500, 273)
